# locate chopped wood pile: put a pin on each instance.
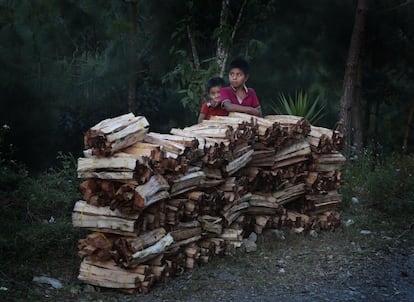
(158, 204)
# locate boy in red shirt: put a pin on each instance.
(237, 97)
(212, 107)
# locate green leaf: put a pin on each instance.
(300, 105)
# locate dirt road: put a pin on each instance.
(334, 266)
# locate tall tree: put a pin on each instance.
(132, 91)
(408, 127)
(349, 90)
(224, 41)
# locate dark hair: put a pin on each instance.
(213, 82)
(241, 64)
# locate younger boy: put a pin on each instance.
(212, 107)
(237, 97)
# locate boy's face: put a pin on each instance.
(237, 77)
(214, 94)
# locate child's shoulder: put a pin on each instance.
(205, 106)
(227, 88)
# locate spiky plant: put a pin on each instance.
(300, 105)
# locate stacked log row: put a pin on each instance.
(164, 203)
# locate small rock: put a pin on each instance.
(298, 230)
(46, 280)
(313, 233)
(365, 232)
(354, 200)
(349, 222)
(252, 237)
(249, 246)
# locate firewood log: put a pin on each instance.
(327, 162)
(324, 202)
(238, 163)
(187, 182)
(96, 246)
(154, 190)
(103, 218)
(211, 224)
(111, 135)
(108, 274)
(323, 140)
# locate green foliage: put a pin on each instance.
(189, 81)
(11, 171)
(385, 185)
(37, 213)
(300, 105)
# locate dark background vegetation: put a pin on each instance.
(65, 66)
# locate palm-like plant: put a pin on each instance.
(300, 105)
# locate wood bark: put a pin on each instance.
(133, 56)
(194, 51)
(114, 134)
(223, 49)
(350, 79)
(407, 129)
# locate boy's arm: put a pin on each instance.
(230, 107)
(201, 117)
(203, 112)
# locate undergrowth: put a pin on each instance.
(380, 190)
(36, 211)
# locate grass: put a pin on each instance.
(383, 192)
(36, 220)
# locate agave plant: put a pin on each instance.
(300, 105)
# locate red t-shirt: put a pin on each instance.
(211, 111)
(250, 100)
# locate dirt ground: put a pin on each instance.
(344, 265)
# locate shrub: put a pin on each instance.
(385, 184)
(36, 214)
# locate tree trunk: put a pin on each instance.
(408, 128)
(376, 127)
(367, 122)
(222, 49)
(351, 72)
(356, 109)
(193, 48)
(133, 57)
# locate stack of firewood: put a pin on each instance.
(158, 204)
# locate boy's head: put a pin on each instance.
(238, 73)
(213, 89)
(240, 64)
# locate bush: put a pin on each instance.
(37, 213)
(384, 184)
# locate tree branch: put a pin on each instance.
(193, 48)
(222, 50)
(233, 34)
(220, 54)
